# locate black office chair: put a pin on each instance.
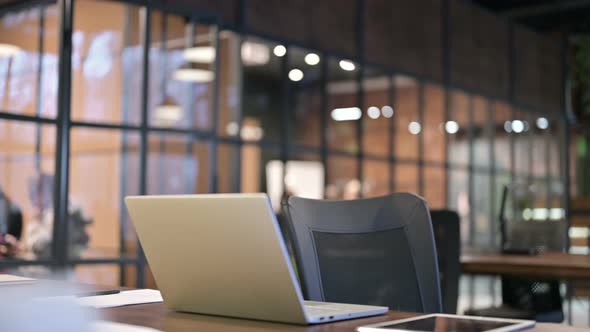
(447, 234)
(522, 298)
(377, 251)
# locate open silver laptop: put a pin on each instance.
(223, 254)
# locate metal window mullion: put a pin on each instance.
(124, 158)
(360, 131)
(213, 145)
(146, 23)
(547, 161)
(163, 68)
(471, 175)
(60, 211)
(189, 104)
(491, 129)
(324, 118)
(39, 92)
(360, 51)
(446, 67)
(421, 170)
(284, 117)
(391, 96)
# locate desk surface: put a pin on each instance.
(545, 265)
(158, 317)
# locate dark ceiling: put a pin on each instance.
(570, 16)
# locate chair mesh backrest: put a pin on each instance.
(447, 234)
(377, 251)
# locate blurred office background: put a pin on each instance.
(327, 99)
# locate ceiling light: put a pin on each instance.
(517, 126)
(508, 126)
(387, 111)
(193, 75)
(542, 123)
(167, 113)
(373, 112)
(279, 50)
(255, 54)
(7, 50)
(312, 59)
(199, 54)
(251, 133)
(295, 75)
(451, 127)
(232, 128)
(347, 65)
(415, 128)
(346, 114)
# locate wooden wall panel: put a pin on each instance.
(226, 9)
(333, 25)
(405, 35)
(479, 50)
(281, 19)
(528, 69)
(551, 83)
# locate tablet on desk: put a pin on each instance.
(449, 323)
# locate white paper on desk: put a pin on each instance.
(104, 326)
(139, 296)
(7, 279)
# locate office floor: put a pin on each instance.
(481, 292)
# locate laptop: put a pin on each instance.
(223, 254)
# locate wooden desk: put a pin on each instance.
(158, 317)
(545, 265)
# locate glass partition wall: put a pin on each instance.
(154, 102)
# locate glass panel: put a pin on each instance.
(230, 103)
(27, 161)
(459, 199)
(434, 123)
(378, 113)
(177, 165)
(228, 168)
(96, 207)
(407, 122)
(28, 74)
(502, 130)
(540, 138)
(376, 180)
(182, 57)
(104, 275)
(482, 132)
(522, 146)
(305, 98)
(459, 143)
(434, 187)
(406, 177)
(343, 110)
(244, 168)
(555, 148)
(262, 87)
(482, 210)
(501, 180)
(556, 200)
(106, 62)
(342, 181)
(303, 177)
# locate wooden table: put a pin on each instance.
(158, 317)
(543, 266)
